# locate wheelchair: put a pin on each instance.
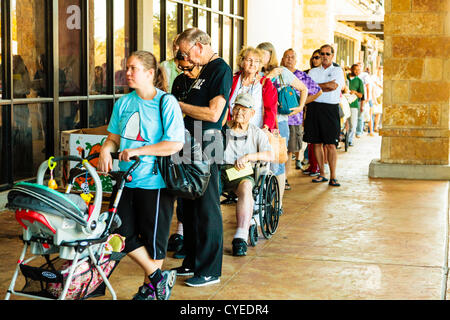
(266, 209)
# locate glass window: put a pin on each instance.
(157, 28)
(29, 44)
(238, 7)
(237, 39)
(69, 115)
(215, 32)
(215, 4)
(121, 44)
(70, 47)
(4, 155)
(203, 20)
(172, 25)
(28, 139)
(226, 6)
(227, 30)
(99, 113)
(1, 70)
(188, 17)
(97, 54)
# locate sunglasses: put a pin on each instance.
(189, 69)
(326, 53)
(316, 57)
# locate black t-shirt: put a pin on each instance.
(181, 86)
(215, 79)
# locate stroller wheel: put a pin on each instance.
(172, 277)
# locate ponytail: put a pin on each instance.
(160, 80)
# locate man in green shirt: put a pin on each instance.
(356, 87)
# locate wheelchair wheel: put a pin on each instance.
(253, 235)
(273, 204)
(269, 209)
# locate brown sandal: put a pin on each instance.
(320, 179)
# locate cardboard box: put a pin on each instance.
(85, 142)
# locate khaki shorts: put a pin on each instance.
(295, 138)
(228, 185)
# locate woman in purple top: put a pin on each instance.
(295, 122)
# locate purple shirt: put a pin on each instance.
(313, 88)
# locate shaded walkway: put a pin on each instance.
(369, 239)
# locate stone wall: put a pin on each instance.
(416, 124)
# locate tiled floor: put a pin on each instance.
(368, 239)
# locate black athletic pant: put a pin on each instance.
(203, 228)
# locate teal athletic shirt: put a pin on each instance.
(138, 123)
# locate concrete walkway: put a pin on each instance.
(369, 239)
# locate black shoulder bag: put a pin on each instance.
(187, 172)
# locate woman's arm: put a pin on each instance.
(161, 149)
(313, 97)
(112, 144)
(300, 86)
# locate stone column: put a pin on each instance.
(416, 104)
(317, 28)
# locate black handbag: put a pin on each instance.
(186, 174)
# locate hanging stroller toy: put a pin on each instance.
(70, 228)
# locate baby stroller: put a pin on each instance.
(73, 237)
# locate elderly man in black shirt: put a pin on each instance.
(205, 108)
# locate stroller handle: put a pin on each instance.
(115, 156)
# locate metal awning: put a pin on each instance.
(373, 24)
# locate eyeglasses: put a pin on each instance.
(252, 61)
(316, 57)
(188, 69)
(186, 55)
(326, 53)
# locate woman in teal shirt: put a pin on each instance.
(145, 208)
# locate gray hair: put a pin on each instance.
(194, 35)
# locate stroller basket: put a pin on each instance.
(48, 280)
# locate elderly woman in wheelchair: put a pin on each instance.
(245, 144)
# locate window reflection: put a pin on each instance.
(215, 38)
(1, 81)
(157, 28)
(29, 123)
(4, 155)
(238, 7)
(121, 44)
(70, 45)
(237, 39)
(171, 28)
(99, 113)
(69, 115)
(28, 44)
(202, 20)
(227, 29)
(226, 6)
(188, 17)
